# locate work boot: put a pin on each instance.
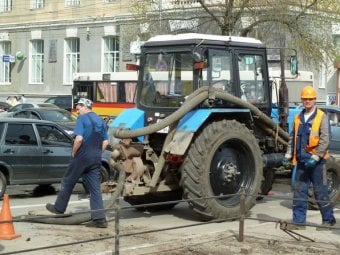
(99, 223)
(51, 208)
(326, 225)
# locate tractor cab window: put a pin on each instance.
(251, 78)
(167, 79)
(219, 72)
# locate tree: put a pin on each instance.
(302, 24)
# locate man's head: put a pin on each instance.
(308, 97)
(84, 105)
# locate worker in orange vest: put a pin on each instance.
(308, 150)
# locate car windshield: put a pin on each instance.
(59, 116)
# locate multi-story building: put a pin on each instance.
(42, 43)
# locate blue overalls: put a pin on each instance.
(305, 177)
(85, 164)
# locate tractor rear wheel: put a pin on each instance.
(223, 159)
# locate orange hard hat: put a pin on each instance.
(308, 92)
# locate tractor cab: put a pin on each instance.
(174, 66)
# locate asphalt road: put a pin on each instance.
(138, 236)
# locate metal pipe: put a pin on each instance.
(117, 216)
(272, 160)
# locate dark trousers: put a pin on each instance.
(81, 167)
(303, 180)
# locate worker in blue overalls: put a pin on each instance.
(90, 141)
(308, 150)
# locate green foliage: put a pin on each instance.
(305, 24)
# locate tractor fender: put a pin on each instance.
(131, 119)
(189, 125)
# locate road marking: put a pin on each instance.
(43, 205)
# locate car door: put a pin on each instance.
(334, 121)
(21, 152)
(56, 151)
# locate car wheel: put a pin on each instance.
(3, 184)
(104, 174)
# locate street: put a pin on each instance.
(260, 236)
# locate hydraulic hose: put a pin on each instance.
(194, 100)
(263, 118)
(79, 218)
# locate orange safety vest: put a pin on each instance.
(313, 137)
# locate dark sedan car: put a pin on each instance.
(64, 118)
(13, 109)
(23, 106)
(36, 152)
(4, 106)
(64, 102)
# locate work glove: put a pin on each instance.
(286, 160)
(311, 162)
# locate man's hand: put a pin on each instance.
(243, 88)
(311, 163)
(76, 145)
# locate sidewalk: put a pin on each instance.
(260, 237)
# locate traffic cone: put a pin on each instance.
(7, 228)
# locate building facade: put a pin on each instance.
(44, 42)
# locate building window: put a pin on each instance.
(5, 67)
(37, 61)
(37, 4)
(5, 5)
(72, 2)
(111, 54)
(72, 57)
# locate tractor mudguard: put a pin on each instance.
(132, 119)
(189, 124)
(185, 130)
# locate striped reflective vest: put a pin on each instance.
(313, 137)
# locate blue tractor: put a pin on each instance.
(202, 127)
